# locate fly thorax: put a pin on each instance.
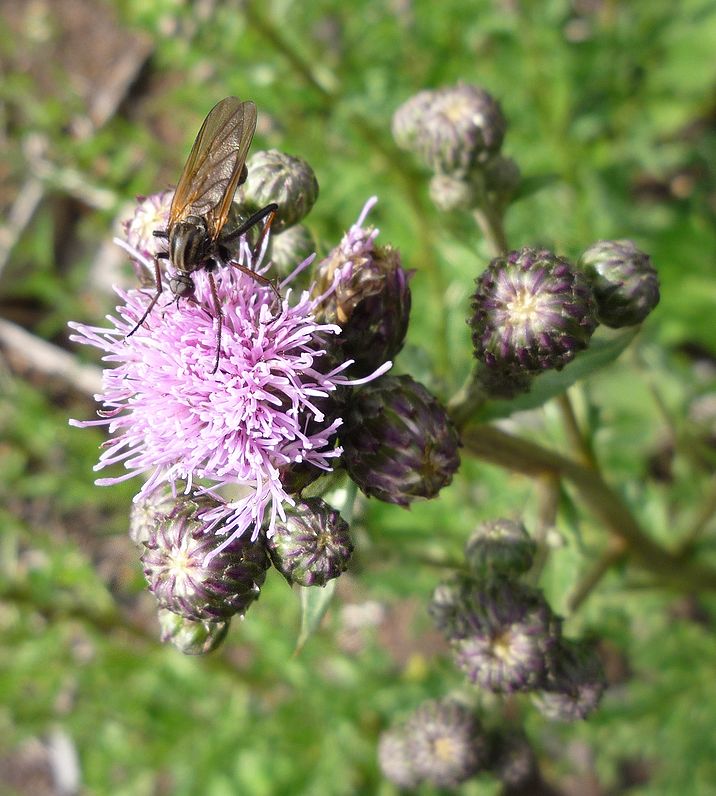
(189, 244)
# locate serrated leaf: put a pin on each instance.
(604, 348)
(314, 604)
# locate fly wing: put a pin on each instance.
(215, 165)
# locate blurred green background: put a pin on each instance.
(612, 108)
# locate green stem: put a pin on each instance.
(548, 496)
(576, 437)
(490, 222)
(700, 523)
(469, 398)
(615, 553)
(498, 447)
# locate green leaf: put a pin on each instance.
(314, 604)
(604, 348)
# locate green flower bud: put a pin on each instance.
(370, 302)
(451, 128)
(290, 248)
(500, 547)
(184, 582)
(532, 311)
(191, 636)
(145, 514)
(504, 635)
(274, 176)
(398, 442)
(502, 178)
(575, 683)
(447, 743)
(312, 545)
(452, 193)
(625, 283)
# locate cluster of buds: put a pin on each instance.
(503, 633)
(398, 443)
(205, 559)
(444, 743)
(535, 311)
(200, 588)
(532, 311)
(457, 132)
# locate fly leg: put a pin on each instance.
(267, 215)
(158, 281)
(219, 317)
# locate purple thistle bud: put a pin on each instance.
(500, 547)
(399, 444)
(575, 683)
(312, 545)
(288, 181)
(269, 407)
(625, 283)
(191, 636)
(532, 311)
(446, 742)
(364, 289)
(504, 635)
(395, 758)
(450, 129)
(187, 580)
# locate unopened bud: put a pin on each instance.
(531, 311)
(370, 302)
(288, 181)
(450, 128)
(191, 636)
(500, 547)
(625, 283)
(399, 444)
(181, 578)
(312, 545)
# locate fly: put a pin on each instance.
(216, 166)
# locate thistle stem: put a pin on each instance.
(575, 435)
(490, 222)
(548, 499)
(614, 553)
(500, 448)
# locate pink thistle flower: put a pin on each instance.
(198, 431)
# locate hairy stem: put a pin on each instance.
(490, 222)
(500, 448)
